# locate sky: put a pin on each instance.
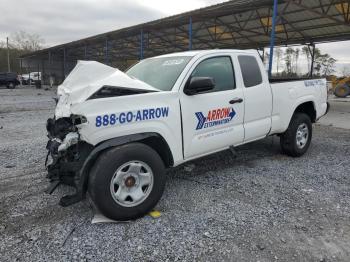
(61, 21)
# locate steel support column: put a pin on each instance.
(85, 52)
(43, 72)
(272, 37)
(49, 67)
(190, 34)
(312, 59)
(106, 52)
(141, 44)
(36, 84)
(64, 63)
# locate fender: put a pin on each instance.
(298, 102)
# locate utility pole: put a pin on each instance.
(8, 55)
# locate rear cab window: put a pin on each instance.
(250, 69)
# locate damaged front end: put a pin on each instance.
(66, 156)
(69, 156)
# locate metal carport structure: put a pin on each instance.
(242, 24)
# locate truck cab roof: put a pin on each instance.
(193, 53)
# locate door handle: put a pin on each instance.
(236, 100)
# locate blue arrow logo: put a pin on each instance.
(232, 114)
(201, 120)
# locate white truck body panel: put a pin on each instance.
(287, 96)
(168, 125)
(185, 121)
(258, 106)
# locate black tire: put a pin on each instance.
(11, 85)
(288, 139)
(104, 169)
(342, 90)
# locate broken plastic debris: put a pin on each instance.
(101, 219)
(189, 168)
(71, 139)
(155, 214)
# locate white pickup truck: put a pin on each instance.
(115, 134)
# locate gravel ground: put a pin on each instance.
(258, 206)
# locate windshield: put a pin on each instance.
(161, 72)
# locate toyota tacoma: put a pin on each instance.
(115, 134)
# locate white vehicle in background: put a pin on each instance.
(31, 78)
(115, 134)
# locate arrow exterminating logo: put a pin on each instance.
(232, 114)
(215, 117)
(201, 120)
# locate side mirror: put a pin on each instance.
(198, 85)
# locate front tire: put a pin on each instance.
(296, 140)
(126, 182)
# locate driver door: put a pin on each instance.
(213, 120)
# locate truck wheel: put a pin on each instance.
(342, 90)
(11, 85)
(297, 138)
(126, 182)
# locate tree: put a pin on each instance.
(345, 70)
(19, 44)
(27, 42)
(266, 58)
(306, 51)
(328, 65)
(288, 57)
(323, 63)
(279, 54)
(296, 60)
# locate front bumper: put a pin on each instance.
(65, 158)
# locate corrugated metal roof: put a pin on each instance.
(234, 24)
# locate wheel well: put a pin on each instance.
(153, 140)
(161, 147)
(307, 108)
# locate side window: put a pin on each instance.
(220, 68)
(250, 70)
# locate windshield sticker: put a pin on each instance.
(173, 62)
(128, 117)
(215, 117)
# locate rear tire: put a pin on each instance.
(118, 181)
(342, 90)
(11, 85)
(296, 140)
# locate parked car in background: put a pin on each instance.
(10, 80)
(31, 78)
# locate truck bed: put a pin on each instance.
(288, 94)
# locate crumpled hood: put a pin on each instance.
(88, 77)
